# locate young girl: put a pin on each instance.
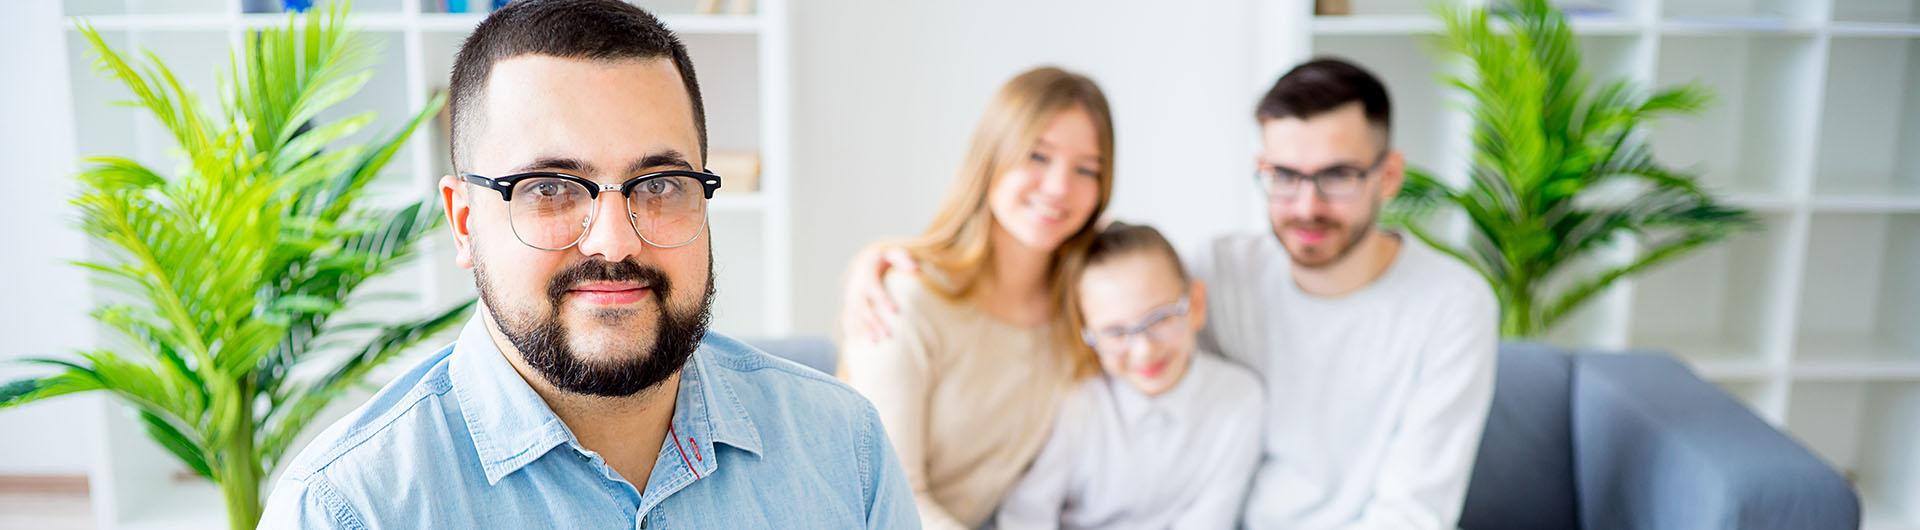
(1169, 437)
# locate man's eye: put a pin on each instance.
(1337, 174)
(546, 189)
(661, 186)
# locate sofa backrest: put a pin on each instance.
(1523, 477)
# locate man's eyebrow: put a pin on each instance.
(1335, 165)
(562, 164)
(667, 158)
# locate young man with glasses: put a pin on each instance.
(1377, 351)
(586, 391)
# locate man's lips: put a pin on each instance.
(610, 293)
(1310, 234)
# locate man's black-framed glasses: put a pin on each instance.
(554, 211)
(1333, 183)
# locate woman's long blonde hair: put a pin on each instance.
(957, 243)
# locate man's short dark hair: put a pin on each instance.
(1324, 84)
(599, 30)
(1123, 239)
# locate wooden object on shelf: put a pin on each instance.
(1332, 7)
(739, 170)
(734, 7)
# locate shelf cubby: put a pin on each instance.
(1869, 147)
(1867, 431)
(1704, 308)
(1749, 141)
(1860, 291)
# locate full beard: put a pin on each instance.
(1351, 237)
(630, 366)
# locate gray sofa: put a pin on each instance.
(1606, 441)
(1636, 441)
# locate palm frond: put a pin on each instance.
(1560, 170)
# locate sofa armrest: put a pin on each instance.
(1658, 448)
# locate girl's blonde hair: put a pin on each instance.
(957, 242)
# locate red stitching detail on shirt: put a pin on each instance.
(683, 451)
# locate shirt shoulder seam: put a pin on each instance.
(437, 384)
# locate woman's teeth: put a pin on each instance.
(1047, 212)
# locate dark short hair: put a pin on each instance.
(1324, 84)
(599, 30)
(1123, 239)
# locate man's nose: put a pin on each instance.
(611, 236)
(1305, 202)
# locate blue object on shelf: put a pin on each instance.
(299, 6)
(456, 6)
(497, 4)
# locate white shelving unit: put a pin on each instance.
(1811, 320)
(743, 65)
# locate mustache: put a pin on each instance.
(595, 270)
(1315, 223)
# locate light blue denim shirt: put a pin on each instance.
(461, 441)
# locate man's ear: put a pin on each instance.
(1197, 304)
(458, 207)
(1393, 174)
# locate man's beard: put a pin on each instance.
(545, 343)
(1354, 235)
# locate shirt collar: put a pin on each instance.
(512, 426)
(708, 409)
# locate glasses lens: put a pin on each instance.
(1164, 329)
(1280, 183)
(668, 211)
(1340, 183)
(549, 213)
(1110, 342)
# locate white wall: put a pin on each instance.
(887, 92)
(43, 300)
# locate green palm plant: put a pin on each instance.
(236, 265)
(1561, 169)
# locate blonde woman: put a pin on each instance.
(967, 373)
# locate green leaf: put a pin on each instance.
(178, 443)
(27, 390)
